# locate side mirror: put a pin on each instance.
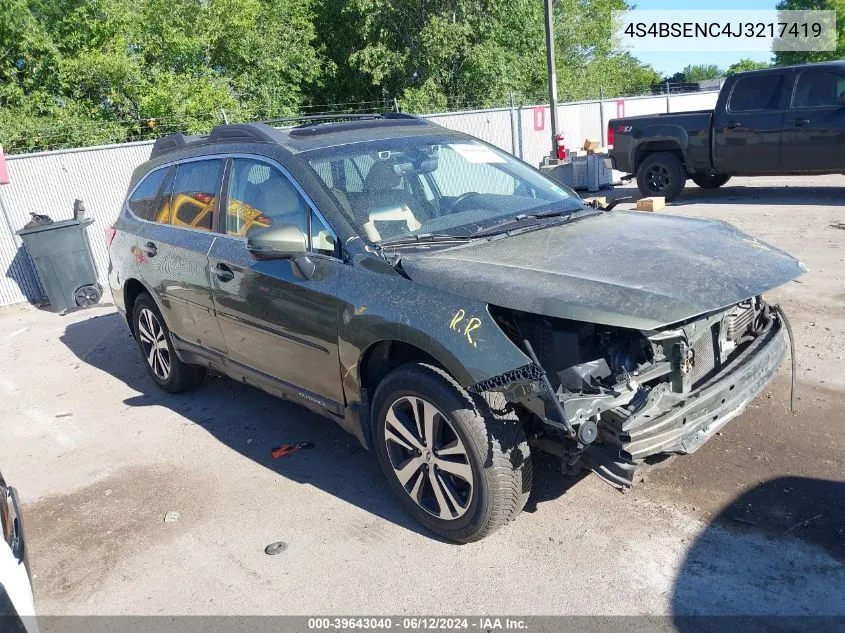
(284, 241)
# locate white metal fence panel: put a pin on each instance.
(494, 126)
(693, 101)
(49, 182)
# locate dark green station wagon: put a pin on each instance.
(444, 302)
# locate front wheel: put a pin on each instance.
(462, 468)
(661, 174)
(710, 181)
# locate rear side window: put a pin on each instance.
(193, 199)
(756, 92)
(819, 89)
(142, 202)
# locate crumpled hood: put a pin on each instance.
(628, 269)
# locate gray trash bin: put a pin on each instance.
(62, 255)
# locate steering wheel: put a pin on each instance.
(462, 198)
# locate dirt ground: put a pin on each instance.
(753, 523)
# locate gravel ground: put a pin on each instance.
(753, 523)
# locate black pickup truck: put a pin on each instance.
(788, 120)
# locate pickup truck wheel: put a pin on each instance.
(661, 174)
(461, 467)
(710, 181)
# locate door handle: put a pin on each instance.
(223, 272)
(149, 249)
(800, 122)
(732, 125)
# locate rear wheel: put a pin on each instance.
(459, 468)
(710, 181)
(661, 174)
(156, 346)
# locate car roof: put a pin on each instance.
(840, 64)
(316, 132)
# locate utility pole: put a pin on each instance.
(550, 63)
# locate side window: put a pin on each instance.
(260, 196)
(819, 89)
(321, 239)
(143, 199)
(756, 92)
(192, 202)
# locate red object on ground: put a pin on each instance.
(4, 169)
(561, 147)
(287, 449)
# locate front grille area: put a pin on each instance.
(704, 359)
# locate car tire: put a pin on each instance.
(710, 181)
(479, 458)
(156, 346)
(661, 174)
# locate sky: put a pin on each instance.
(670, 63)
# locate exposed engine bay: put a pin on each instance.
(616, 400)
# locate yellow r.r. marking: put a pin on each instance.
(459, 316)
(473, 324)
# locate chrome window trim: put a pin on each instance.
(265, 159)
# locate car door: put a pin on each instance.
(279, 326)
(814, 124)
(747, 132)
(172, 249)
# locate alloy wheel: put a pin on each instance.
(657, 177)
(428, 458)
(154, 343)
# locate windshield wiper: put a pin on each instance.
(517, 219)
(426, 238)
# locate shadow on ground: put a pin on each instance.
(760, 542)
(784, 195)
(235, 413)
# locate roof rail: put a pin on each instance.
(234, 133)
(256, 132)
(312, 119)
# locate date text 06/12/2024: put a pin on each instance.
(420, 623)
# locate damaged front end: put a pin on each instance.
(618, 400)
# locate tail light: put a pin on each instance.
(110, 233)
(610, 135)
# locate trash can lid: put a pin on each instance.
(55, 225)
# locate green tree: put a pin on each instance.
(76, 72)
(439, 54)
(90, 71)
(702, 72)
(746, 64)
(804, 57)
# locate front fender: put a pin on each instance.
(459, 333)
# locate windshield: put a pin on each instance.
(419, 185)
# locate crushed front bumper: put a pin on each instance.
(673, 423)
